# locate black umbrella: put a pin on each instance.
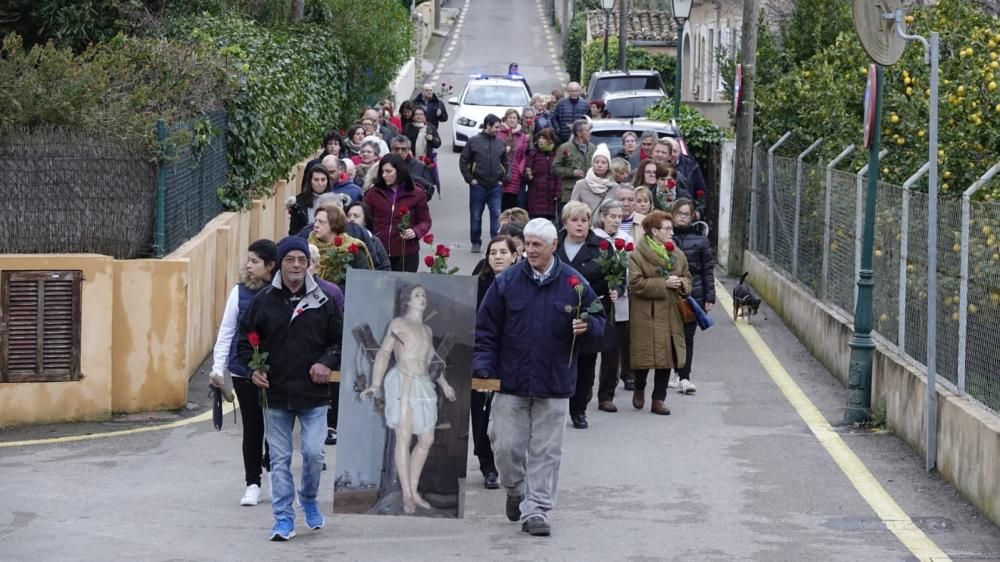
(216, 407)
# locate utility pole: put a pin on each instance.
(622, 33)
(743, 168)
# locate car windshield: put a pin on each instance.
(496, 95)
(625, 108)
(613, 137)
(613, 84)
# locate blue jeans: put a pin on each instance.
(279, 437)
(481, 197)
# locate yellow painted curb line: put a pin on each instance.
(891, 514)
(227, 408)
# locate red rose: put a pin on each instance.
(700, 193)
(574, 281)
(338, 241)
(254, 339)
(447, 253)
(352, 249)
(403, 209)
(671, 182)
(565, 152)
(428, 238)
(604, 245)
(629, 247)
(429, 261)
(619, 244)
(669, 246)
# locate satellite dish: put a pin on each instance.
(878, 35)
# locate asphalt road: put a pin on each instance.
(733, 474)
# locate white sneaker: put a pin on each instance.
(673, 382)
(251, 496)
(687, 387)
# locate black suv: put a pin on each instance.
(611, 81)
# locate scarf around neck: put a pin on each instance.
(596, 184)
(659, 249)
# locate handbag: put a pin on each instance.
(704, 320)
(687, 313)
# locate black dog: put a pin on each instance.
(745, 303)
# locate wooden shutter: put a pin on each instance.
(40, 326)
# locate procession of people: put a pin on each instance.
(589, 274)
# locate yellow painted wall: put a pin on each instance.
(90, 397)
(147, 324)
(150, 368)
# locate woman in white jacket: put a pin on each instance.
(261, 258)
(615, 359)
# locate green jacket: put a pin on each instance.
(569, 158)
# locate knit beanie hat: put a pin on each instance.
(602, 150)
(290, 243)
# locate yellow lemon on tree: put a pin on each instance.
(972, 308)
(895, 118)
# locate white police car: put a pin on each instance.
(485, 94)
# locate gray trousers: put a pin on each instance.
(527, 436)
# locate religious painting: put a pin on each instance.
(403, 428)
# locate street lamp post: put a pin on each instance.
(682, 11)
(607, 6)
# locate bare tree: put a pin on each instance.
(298, 10)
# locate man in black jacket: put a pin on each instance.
(434, 108)
(485, 166)
(295, 329)
(419, 172)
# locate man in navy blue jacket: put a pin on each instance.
(529, 336)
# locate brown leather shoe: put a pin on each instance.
(638, 399)
(660, 407)
(607, 406)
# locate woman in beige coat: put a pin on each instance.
(658, 278)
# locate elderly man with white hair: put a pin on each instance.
(434, 107)
(531, 325)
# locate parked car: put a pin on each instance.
(482, 95)
(610, 131)
(634, 103)
(610, 81)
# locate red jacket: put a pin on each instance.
(385, 205)
(544, 188)
(518, 143)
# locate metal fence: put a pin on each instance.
(188, 182)
(806, 220)
(73, 191)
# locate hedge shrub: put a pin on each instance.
(636, 58)
(291, 89)
(119, 88)
(375, 36)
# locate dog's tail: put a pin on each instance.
(744, 278)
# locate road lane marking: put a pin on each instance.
(227, 408)
(891, 514)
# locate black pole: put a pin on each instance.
(607, 30)
(622, 33)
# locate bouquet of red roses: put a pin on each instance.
(427, 161)
(333, 266)
(438, 263)
(614, 262)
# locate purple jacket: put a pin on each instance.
(331, 291)
(524, 334)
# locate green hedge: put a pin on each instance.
(119, 88)
(375, 36)
(292, 88)
(636, 58)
